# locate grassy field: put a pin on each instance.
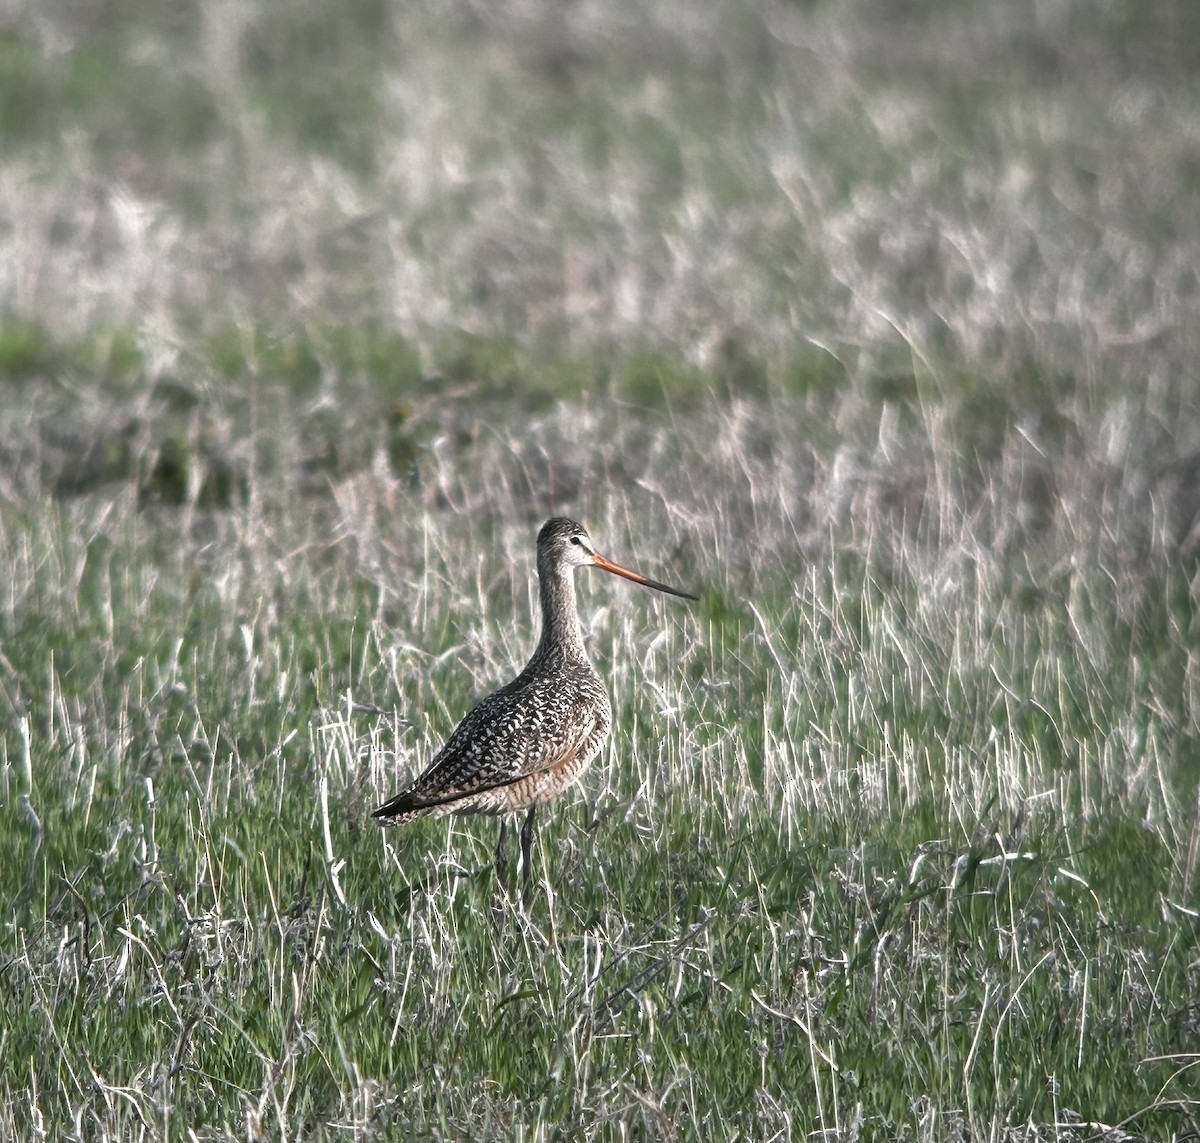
(878, 332)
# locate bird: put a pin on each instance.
(531, 739)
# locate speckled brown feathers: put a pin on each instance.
(520, 746)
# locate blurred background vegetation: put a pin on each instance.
(776, 194)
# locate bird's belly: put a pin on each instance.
(537, 788)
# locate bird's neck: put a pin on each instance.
(560, 621)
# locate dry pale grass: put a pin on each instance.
(991, 185)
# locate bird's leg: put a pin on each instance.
(501, 854)
(527, 846)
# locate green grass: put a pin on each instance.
(313, 73)
(392, 369)
(854, 861)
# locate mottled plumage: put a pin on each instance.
(532, 738)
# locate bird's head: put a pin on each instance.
(564, 543)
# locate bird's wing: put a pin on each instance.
(518, 731)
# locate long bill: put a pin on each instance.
(607, 565)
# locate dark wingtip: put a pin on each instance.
(411, 803)
(391, 809)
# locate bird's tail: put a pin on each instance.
(400, 809)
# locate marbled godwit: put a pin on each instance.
(529, 740)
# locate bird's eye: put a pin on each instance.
(576, 540)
